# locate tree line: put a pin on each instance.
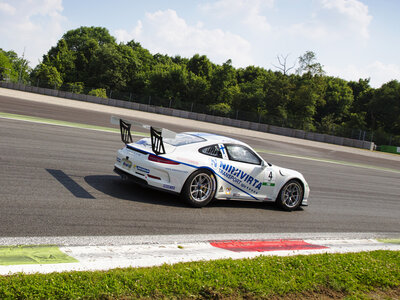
(88, 59)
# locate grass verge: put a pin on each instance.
(355, 275)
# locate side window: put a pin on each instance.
(211, 151)
(242, 154)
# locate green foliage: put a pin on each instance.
(13, 68)
(75, 87)
(308, 65)
(101, 93)
(200, 66)
(385, 105)
(6, 69)
(220, 109)
(351, 274)
(47, 76)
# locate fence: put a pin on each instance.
(136, 103)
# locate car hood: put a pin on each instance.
(288, 172)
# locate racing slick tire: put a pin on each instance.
(199, 188)
(291, 195)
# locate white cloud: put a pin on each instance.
(355, 12)
(248, 12)
(7, 9)
(123, 35)
(311, 30)
(335, 20)
(377, 71)
(34, 24)
(165, 32)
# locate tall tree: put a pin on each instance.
(283, 65)
(308, 64)
(13, 67)
(47, 76)
(200, 66)
(337, 102)
(385, 105)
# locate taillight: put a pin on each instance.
(162, 160)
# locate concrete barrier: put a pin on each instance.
(338, 140)
(319, 137)
(300, 134)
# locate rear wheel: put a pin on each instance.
(199, 188)
(291, 195)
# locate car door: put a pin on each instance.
(247, 171)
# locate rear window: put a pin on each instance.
(212, 150)
(183, 139)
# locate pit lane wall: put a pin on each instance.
(318, 137)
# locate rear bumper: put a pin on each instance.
(126, 176)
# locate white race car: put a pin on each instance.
(204, 166)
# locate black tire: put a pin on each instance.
(291, 195)
(199, 188)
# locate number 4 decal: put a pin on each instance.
(270, 176)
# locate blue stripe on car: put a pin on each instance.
(193, 166)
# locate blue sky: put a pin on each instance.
(352, 38)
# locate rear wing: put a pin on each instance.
(157, 134)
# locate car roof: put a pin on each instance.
(212, 137)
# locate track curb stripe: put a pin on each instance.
(263, 246)
(40, 254)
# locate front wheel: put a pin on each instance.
(199, 188)
(291, 195)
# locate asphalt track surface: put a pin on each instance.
(58, 181)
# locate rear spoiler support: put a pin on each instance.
(156, 134)
(125, 128)
(157, 144)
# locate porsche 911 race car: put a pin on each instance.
(204, 166)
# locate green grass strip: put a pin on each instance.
(390, 241)
(65, 123)
(261, 277)
(330, 161)
(24, 255)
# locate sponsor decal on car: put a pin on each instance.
(143, 142)
(228, 191)
(169, 187)
(118, 160)
(141, 169)
(126, 163)
(237, 176)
